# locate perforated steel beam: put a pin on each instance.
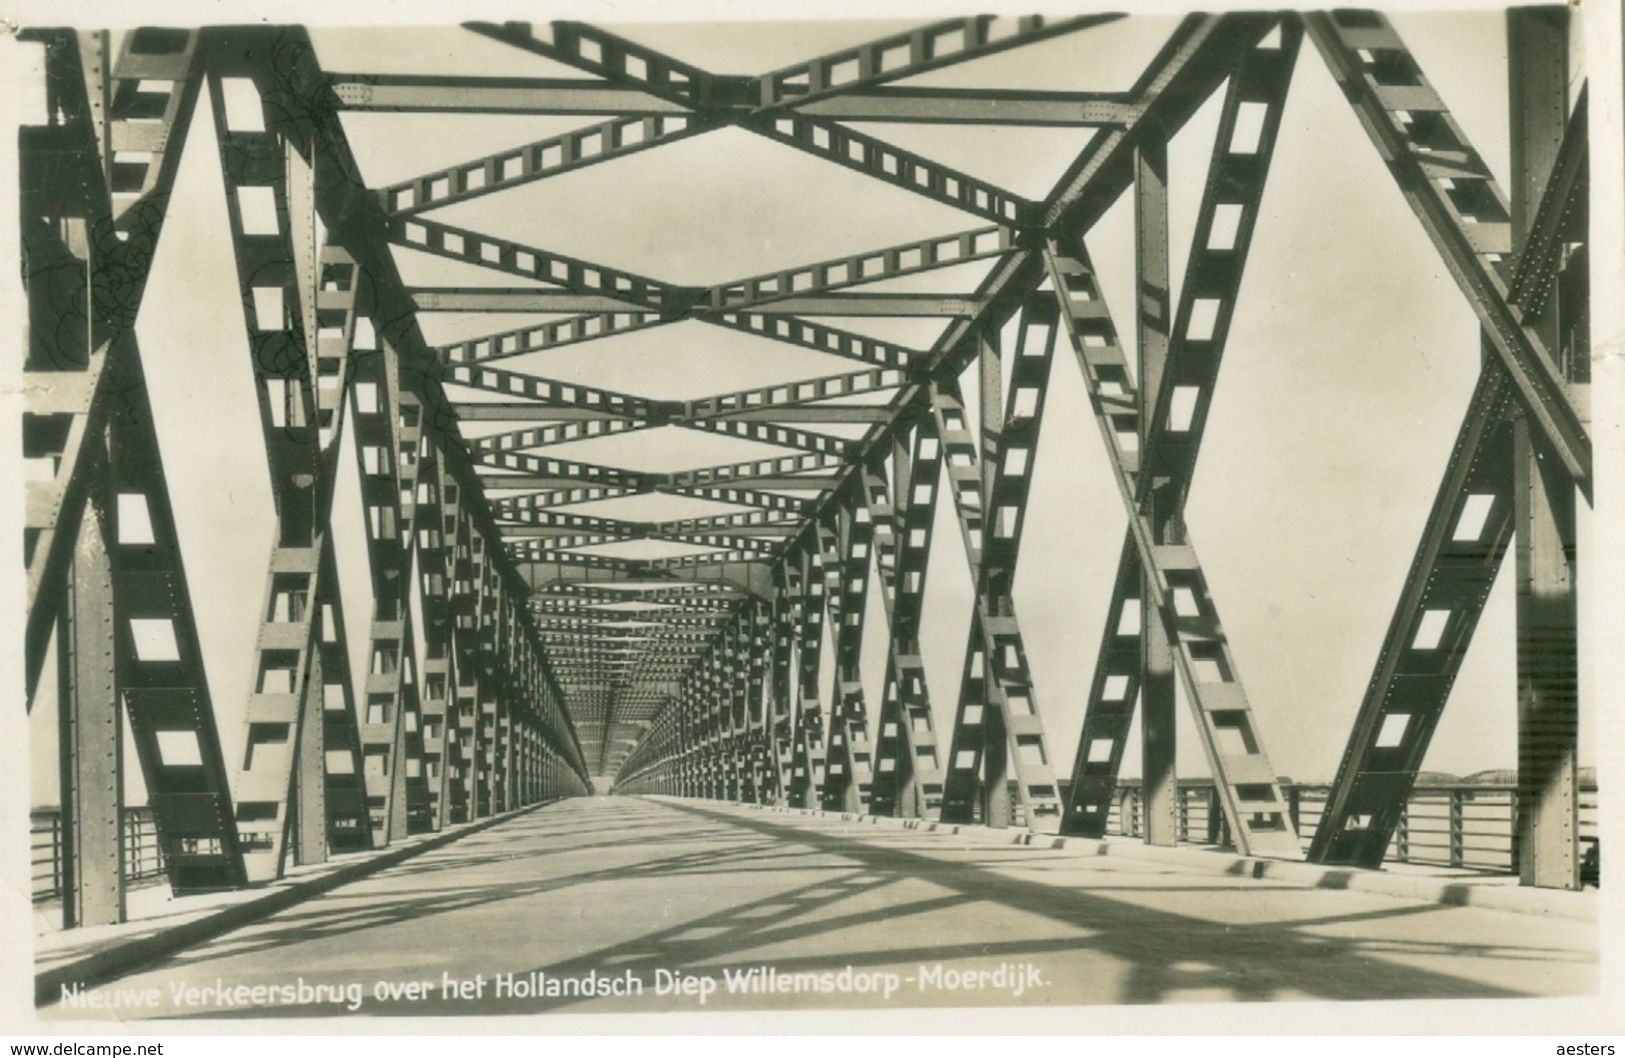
(102, 558)
(1462, 208)
(705, 689)
(1195, 61)
(1470, 525)
(806, 781)
(1181, 349)
(908, 54)
(997, 724)
(908, 771)
(844, 551)
(1249, 790)
(90, 229)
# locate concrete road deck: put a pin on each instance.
(657, 898)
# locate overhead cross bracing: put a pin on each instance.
(804, 460)
(640, 523)
(599, 301)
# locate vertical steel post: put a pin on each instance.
(1547, 840)
(1157, 695)
(309, 780)
(91, 732)
(995, 744)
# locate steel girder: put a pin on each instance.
(843, 559)
(643, 301)
(1169, 410)
(1161, 617)
(1181, 350)
(404, 93)
(908, 771)
(89, 236)
(1254, 804)
(1524, 256)
(997, 723)
(1189, 60)
(527, 632)
(301, 304)
(99, 539)
(312, 311)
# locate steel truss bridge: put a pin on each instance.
(511, 658)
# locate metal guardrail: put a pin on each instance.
(1462, 825)
(1452, 825)
(143, 852)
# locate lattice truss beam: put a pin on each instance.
(519, 642)
(1163, 622)
(332, 761)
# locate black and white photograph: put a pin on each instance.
(787, 520)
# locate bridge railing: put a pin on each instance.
(1466, 825)
(143, 852)
(1462, 825)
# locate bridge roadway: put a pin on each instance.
(655, 887)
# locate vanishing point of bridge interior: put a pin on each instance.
(420, 434)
